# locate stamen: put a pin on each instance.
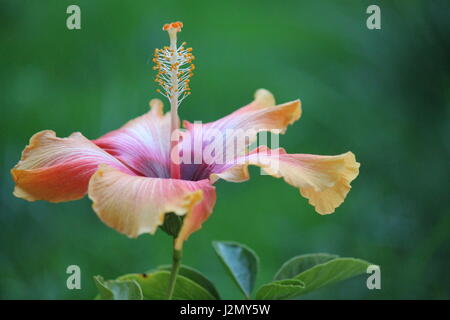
(174, 66)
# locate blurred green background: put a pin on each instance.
(383, 94)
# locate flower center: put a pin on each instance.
(175, 67)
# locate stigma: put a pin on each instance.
(174, 66)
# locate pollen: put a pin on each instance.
(173, 25)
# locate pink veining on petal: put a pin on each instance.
(247, 121)
(143, 143)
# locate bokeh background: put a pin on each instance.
(383, 94)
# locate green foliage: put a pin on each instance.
(331, 272)
(296, 277)
(241, 263)
(306, 273)
(155, 286)
(296, 265)
(196, 276)
(118, 289)
(282, 289)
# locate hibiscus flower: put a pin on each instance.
(149, 168)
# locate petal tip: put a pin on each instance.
(264, 98)
(326, 201)
(156, 106)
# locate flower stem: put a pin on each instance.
(176, 262)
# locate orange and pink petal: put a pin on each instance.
(262, 114)
(323, 180)
(58, 169)
(135, 205)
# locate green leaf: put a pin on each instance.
(155, 286)
(241, 263)
(331, 272)
(118, 289)
(297, 265)
(195, 276)
(104, 293)
(281, 289)
(303, 274)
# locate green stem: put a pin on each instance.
(176, 262)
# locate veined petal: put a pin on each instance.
(324, 180)
(134, 205)
(142, 143)
(58, 169)
(237, 130)
(261, 115)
